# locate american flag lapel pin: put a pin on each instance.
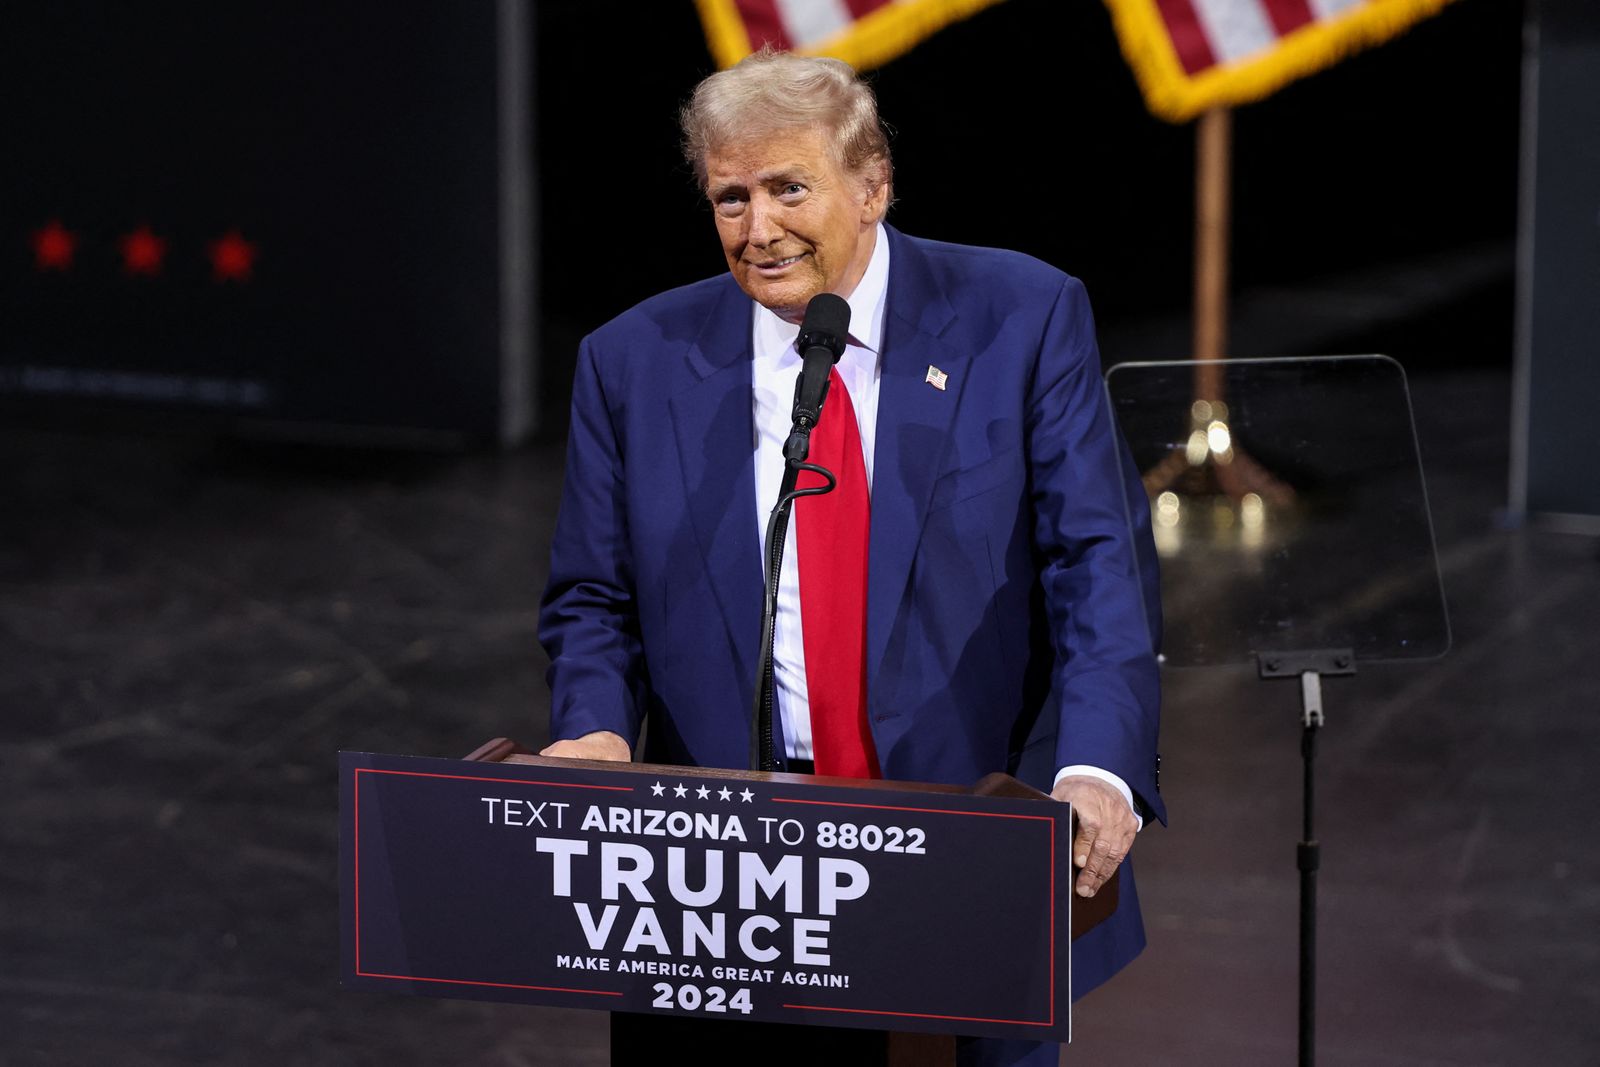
(937, 378)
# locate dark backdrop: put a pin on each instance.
(1023, 127)
(355, 143)
(352, 144)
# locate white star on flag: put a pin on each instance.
(702, 792)
(657, 789)
(724, 792)
(936, 378)
(680, 791)
(747, 795)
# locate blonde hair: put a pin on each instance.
(771, 92)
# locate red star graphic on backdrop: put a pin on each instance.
(232, 258)
(53, 246)
(142, 252)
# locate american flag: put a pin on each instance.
(1194, 55)
(863, 33)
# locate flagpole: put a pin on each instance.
(1213, 134)
(1212, 194)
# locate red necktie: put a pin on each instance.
(831, 533)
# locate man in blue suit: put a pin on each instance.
(1011, 612)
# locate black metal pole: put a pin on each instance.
(1309, 666)
(763, 755)
(1307, 859)
(763, 746)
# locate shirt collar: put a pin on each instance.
(867, 303)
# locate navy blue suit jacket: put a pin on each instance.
(1012, 610)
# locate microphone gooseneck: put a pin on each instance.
(821, 343)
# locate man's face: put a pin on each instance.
(793, 223)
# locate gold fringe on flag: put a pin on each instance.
(1174, 95)
(870, 41)
(725, 31)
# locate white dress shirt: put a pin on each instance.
(777, 364)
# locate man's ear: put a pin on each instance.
(876, 205)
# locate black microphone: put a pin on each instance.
(821, 343)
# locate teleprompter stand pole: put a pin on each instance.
(1307, 858)
(1309, 667)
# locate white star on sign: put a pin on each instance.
(702, 792)
(657, 789)
(680, 791)
(747, 795)
(724, 792)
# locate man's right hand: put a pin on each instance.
(602, 745)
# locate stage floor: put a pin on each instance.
(189, 631)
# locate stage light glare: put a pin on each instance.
(1197, 449)
(1200, 411)
(1169, 539)
(1218, 438)
(1252, 512)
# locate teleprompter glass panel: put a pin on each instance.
(1288, 506)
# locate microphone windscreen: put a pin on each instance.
(827, 323)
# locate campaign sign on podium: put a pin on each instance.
(712, 894)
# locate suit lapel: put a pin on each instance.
(715, 433)
(912, 434)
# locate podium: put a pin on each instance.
(732, 895)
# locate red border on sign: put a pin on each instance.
(1052, 907)
(356, 787)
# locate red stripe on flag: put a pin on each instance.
(864, 7)
(1288, 15)
(763, 24)
(1187, 34)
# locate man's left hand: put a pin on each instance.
(1106, 828)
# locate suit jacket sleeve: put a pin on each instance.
(588, 619)
(1097, 560)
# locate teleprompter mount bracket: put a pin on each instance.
(1329, 661)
